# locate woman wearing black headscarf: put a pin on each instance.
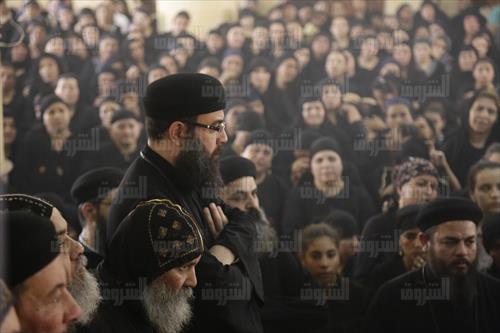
(480, 127)
(283, 91)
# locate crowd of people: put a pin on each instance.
(319, 167)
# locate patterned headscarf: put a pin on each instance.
(411, 168)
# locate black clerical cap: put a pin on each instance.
(446, 210)
(95, 184)
(235, 167)
(24, 202)
(155, 237)
(184, 95)
(31, 245)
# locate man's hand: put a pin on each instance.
(216, 219)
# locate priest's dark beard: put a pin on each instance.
(85, 290)
(197, 167)
(463, 287)
(266, 239)
(169, 311)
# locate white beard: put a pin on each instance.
(85, 290)
(168, 310)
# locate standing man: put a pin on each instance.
(447, 294)
(186, 131)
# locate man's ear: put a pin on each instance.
(424, 240)
(177, 131)
(88, 211)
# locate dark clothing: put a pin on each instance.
(110, 156)
(38, 168)
(150, 176)
(389, 269)
(281, 107)
(93, 258)
(85, 119)
(284, 310)
(418, 301)
(306, 205)
(461, 155)
(272, 194)
(117, 315)
(347, 312)
(494, 273)
(379, 228)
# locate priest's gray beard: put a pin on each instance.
(169, 311)
(85, 290)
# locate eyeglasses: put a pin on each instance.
(217, 128)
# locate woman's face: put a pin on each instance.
(56, 118)
(482, 115)
(466, 60)
(484, 73)
(335, 64)
(326, 166)
(260, 37)
(313, 113)
(410, 245)
(277, 33)
(321, 259)
(287, 71)
(235, 37)
(303, 55)
(136, 51)
(436, 119)
(424, 128)
(48, 70)
(18, 53)
(106, 112)
(482, 45)
(402, 54)
(339, 27)
(320, 46)
(419, 190)
(428, 13)
(169, 64)
(471, 25)
(259, 78)
(331, 96)
(9, 130)
(397, 115)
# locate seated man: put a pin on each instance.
(447, 294)
(37, 274)
(148, 275)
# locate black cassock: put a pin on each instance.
(227, 298)
(419, 301)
